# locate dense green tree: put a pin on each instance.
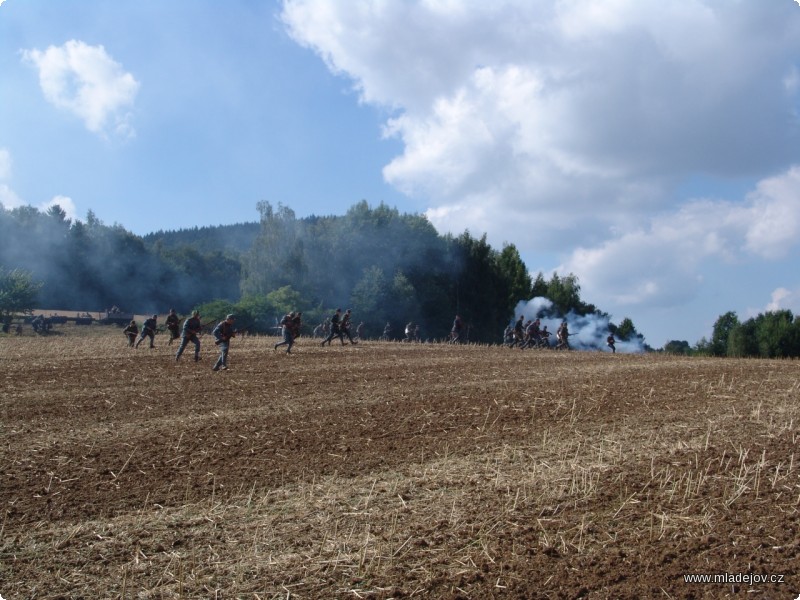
(742, 340)
(515, 273)
(18, 293)
(286, 299)
(721, 332)
(777, 335)
(277, 255)
(539, 287)
(678, 347)
(564, 293)
(626, 331)
(369, 298)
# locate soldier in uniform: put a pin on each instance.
(287, 327)
(611, 343)
(223, 333)
(336, 330)
(131, 331)
(191, 330)
(562, 335)
(173, 325)
(149, 330)
(345, 326)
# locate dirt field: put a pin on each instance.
(390, 470)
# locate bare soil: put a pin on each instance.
(390, 470)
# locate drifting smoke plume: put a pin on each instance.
(587, 332)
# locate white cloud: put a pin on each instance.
(662, 264)
(784, 299)
(517, 110)
(87, 82)
(8, 198)
(774, 224)
(571, 127)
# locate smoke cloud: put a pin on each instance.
(587, 332)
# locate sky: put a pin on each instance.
(650, 147)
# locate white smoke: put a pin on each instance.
(587, 332)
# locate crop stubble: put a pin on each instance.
(392, 470)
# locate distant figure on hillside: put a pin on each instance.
(611, 343)
(131, 331)
(223, 333)
(191, 330)
(173, 326)
(387, 332)
(411, 332)
(149, 330)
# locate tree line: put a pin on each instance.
(384, 265)
(773, 334)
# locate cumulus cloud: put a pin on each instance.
(561, 123)
(783, 299)
(663, 262)
(559, 108)
(85, 81)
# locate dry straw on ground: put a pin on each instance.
(389, 470)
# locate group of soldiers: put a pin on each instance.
(523, 334)
(189, 333)
(532, 334)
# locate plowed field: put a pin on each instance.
(389, 470)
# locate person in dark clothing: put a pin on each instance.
(297, 324)
(287, 326)
(223, 333)
(336, 329)
(562, 335)
(131, 331)
(149, 330)
(345, 326)
(173, 326)
(191, 330)
(457, 332)
(611, 343)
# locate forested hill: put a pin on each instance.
(237, 238)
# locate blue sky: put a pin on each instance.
(651, 147)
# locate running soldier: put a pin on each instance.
(149, 330)
(345, 326)
(562, 335)
(336, 330)
(131, 331)
(611, 343)
(173, 326)
(223, 333)
(287, 325)
(191, 330)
